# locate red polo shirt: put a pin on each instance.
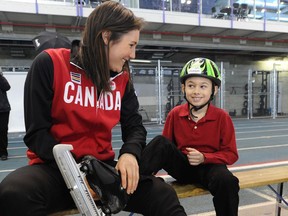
(213, 135)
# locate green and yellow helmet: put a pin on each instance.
(201, 67)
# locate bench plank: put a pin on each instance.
(188, 190)
(247, 179)
(262, 176)
(65, 212)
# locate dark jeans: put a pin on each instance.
(39, 190)
(4, 120)
(222, 184)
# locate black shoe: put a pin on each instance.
(4, 157)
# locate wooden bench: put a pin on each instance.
(247, 179)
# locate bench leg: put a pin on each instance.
(279, 198)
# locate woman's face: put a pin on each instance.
(123, 50)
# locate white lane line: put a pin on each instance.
(261, 137)
(262, 195)
(14, 142)
(17, 156)
(263, 147)
(248, 148)
(260, 165)
(238, 139)
(243, 167)
(13, 148)
(260, 131)
(246, 207)
(3, 171)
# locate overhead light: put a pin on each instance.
(216, 40)
(17, 53)
(186, 38)
(186, 1)
(7, 28)
(157, 36)
(140, 61)
(157, 56)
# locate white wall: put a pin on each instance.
(15, 96)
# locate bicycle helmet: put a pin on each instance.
(201, 67)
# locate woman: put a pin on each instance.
(79, 103)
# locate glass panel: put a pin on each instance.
(282, 94)
(261, 93)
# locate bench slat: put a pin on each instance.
(65, 212)
(247, 179)
(262, 176)
(188, 190)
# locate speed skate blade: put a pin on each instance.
(74, 180)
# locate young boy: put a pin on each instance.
(198, 139)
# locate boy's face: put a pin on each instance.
(198, 90)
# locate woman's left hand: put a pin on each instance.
(129, 170)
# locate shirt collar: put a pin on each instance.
(211, 113)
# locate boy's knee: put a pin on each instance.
(160, 142)
(230, 182)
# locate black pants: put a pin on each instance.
(4, 120)
(222, 184)
(39, 190)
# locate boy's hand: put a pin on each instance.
(129, 170)
(194, 156)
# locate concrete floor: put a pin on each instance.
(259, 209)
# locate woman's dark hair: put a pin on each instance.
(75, 46)
(109, 16)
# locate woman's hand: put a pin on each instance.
(194, 156)
(129, 170)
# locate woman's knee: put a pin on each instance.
(11, 185)
(13, 196)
